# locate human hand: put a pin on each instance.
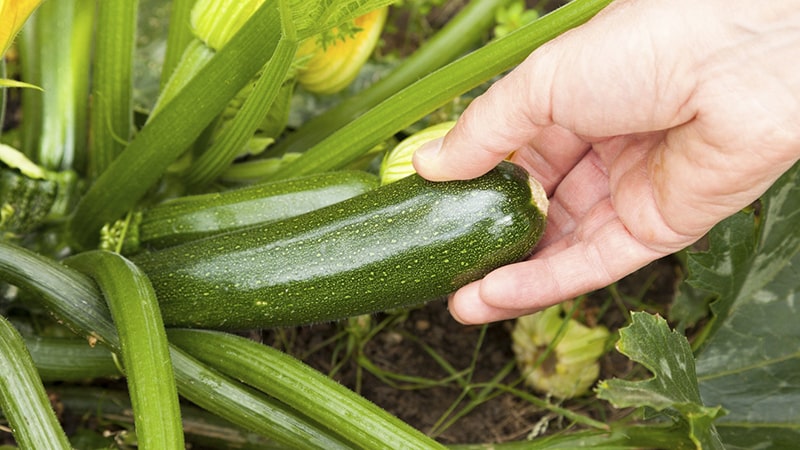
(646, 126)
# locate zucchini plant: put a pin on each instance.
(225, 185)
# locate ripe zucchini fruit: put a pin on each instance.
(193, 217)
(398, 245)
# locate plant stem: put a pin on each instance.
(2, 96)
(459, 35)
(112, 83)
(73, 298)
(23, 399)
(64, 31)
(235, 134)
(178, 123)
(298, 385)
(202, 429)
(70, 359)
(178, 37)
(423, 97)
(143, 344)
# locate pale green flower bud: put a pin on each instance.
(571, 367)
(397, 163)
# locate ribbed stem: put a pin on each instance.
(423, 97)
(460, 34)
(296, 384)
(75, 300)
(167, 135)
(112, 83)
(235, 134)
(143, 344)
(23, 399)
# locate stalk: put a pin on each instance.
(31, 72)
(426, 95)
(179, 36)
(235, 134)
(296, 384)
(70, 359)
(202, 429)
(169, 133)
(23, 399)
(460, 34)
(2, 95)
(64, 30)
(143, 345)
(112, 83)
(74, 300)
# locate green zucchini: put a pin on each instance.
(24, 202)
(30, 195)
(193, 217)
(398, 245)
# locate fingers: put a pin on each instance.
(529, 286)
(493, 126)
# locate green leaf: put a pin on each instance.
(4, 82)
(673, 388)
(750, 360)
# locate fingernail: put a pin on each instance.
(430, 149)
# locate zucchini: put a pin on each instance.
(193, 217)
(398, 245)
(24, 202)
(30, 195)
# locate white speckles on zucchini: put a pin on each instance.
(398, 245)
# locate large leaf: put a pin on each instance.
(750, 361)
(673, 388)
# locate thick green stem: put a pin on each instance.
(64, 31)
(71, 359)
(112, 83)
(460, 34)
(31, 72)
(143, 343)
(2, 96)
(202, 429)
(296, 384)
(23, 399)
(214, 160)
(178, 37)
(167, 135)
(423, 97)
(74, 300)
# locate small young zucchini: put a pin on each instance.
(197, 216)
(398, 245)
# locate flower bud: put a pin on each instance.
(571, 366)
(397, 162)
(216, 21)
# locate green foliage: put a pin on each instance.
(737, 385)
(748, 359)
(749, 362)
(673, 388)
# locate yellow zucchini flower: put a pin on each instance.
(330, 65)
(13, 14)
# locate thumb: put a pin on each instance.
(485, 134)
